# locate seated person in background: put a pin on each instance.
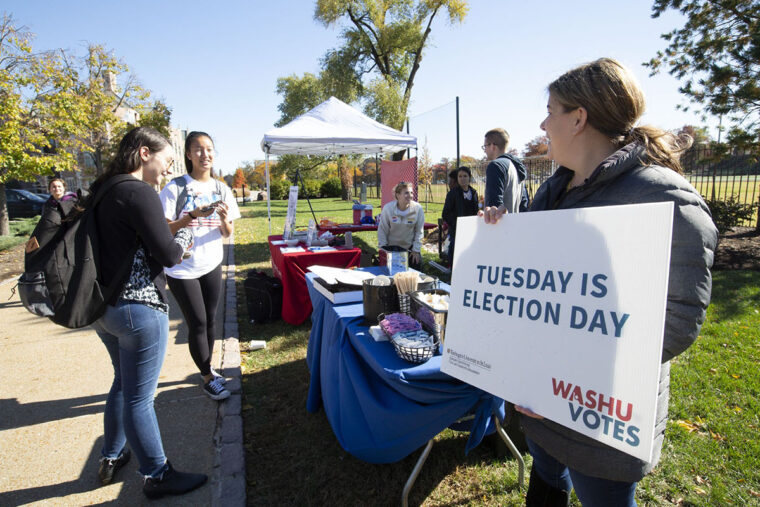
(401, 223)
(462, 201)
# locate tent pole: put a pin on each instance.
(269, 195)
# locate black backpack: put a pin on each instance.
(263, 295)
(60, 278)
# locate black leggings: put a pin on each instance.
(199, 298)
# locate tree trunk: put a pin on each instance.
(5, 226)
(345, 178)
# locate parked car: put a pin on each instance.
(22, 203)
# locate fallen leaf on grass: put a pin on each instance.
(717, 436)
(713, 370)
(700, 491)
(699, 480)
(737, 409)
(687, 425)
(754, 493)
(735, 375)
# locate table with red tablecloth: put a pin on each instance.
(344, 228)
(291, 268)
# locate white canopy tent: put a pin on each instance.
(332, 128)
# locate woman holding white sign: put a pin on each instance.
(605, 159)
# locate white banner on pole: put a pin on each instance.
(563, 312)
(290, 218)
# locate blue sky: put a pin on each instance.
(216, 63)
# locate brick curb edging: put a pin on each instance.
(228, 480)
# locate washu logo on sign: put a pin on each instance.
(598, 411)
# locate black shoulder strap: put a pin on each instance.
(108, 185)
(181, 183)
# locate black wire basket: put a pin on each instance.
(413, 354)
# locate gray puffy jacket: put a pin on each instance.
(623, 179)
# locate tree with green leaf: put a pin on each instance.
(383, 46)
(716, 56)
(30, 115)
(299, 95)
(55, 105)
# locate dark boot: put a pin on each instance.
(172, 482)
(109, 467)
(541, 494)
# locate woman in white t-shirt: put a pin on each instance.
(401, 223)
(206, 205)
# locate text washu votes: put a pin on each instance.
(593, 285)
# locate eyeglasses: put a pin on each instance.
(486, 146)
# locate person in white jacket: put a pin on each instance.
(401, 223)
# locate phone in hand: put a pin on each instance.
(211, 206)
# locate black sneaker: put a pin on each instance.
(215, 390)
(172, 482)
(218, 377)
(109, 466)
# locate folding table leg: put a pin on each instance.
(415, 473)
(514, 451)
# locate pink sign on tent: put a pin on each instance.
(392, 172)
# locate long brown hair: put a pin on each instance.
(611, 96)
(127, 159)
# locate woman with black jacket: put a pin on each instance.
(461, 201)
(135, 327)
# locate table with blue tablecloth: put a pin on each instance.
(381, 407)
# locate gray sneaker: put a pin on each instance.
(215, 390)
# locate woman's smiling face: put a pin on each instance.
(201, 154)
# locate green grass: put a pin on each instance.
(293, 457)
(21, 228)
(712, 450)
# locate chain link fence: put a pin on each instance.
(733, 177)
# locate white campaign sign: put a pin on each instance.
(563, 312)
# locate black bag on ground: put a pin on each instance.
(60, 278)
(263, 295)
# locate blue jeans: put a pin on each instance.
(591, 491)
(135, 336)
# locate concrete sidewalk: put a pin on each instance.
(53, 386)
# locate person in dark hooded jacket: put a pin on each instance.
(504, 178)
(606, 159)
(461, 201)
